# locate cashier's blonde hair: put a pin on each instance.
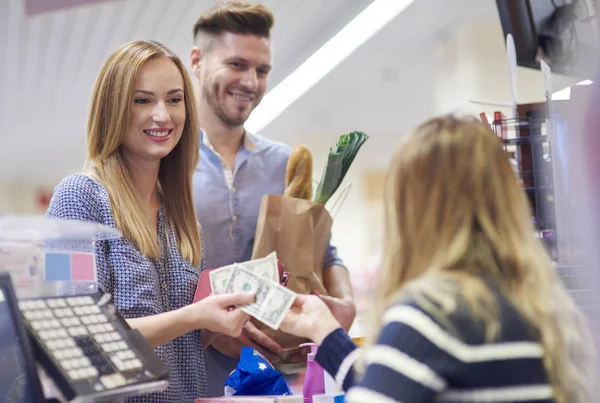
(108, 119)
(455, 214)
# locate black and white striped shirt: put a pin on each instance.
(416, 359)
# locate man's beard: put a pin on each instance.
(219, 110)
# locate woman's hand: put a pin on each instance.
(220, 314)
(311, 318)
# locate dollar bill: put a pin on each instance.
(273, 301)
(265, 267)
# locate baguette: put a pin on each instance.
(298, 174)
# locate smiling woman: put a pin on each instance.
(143, 142)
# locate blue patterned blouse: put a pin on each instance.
(139, 285)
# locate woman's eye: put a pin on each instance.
(141, 101)
(175, 100)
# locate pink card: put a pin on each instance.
(83, 267)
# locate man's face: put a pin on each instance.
(233, 75)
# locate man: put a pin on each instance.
(231, 61)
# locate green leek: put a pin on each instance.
(339, 161)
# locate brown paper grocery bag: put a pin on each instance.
(299, 231)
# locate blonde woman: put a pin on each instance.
(468, 307)
(143, 147)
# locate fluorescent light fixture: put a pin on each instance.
(355, 33)
(562, 95)
(565, 93)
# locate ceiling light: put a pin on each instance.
(348, 39)
(562, 95)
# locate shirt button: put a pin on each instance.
(233, 189)
(164, 286)
(234, 218)
(161, 270)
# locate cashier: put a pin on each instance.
(469, 307)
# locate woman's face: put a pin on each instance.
(158, 111)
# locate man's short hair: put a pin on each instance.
(237, 17)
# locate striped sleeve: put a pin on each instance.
(337, 355)
(403, 366)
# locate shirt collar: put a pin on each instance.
(248, 142)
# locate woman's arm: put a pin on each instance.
(404, 365)
(216, 313)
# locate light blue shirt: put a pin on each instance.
(228, 202)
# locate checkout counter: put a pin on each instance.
(63, 341)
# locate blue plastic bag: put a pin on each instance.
(255, 376)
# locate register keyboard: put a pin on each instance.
(88, 349)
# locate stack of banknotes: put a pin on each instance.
(261, 277)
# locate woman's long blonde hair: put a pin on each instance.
(455, 214)
(108, 121)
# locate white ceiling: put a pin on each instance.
(50, 62)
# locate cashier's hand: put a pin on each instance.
(343, 310)
(310, 317)
(220, 313)
(251, 336)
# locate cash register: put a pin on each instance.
(81, 343)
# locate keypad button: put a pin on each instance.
(60, 302)
(78, 311)
(94, 309)
(51, 303)
(54, 324)
(36, 325)
(40, 304)
(28, 315)
(73, 301)
(106, 369)
(118, 363)
(88, 300)
(47, 314)
(73, 374)
(62, 333)
(84, 362)
(121, 345)
(101, 318)
(51, 345)
(114, 336)
(91, 372)
(37, 315)
(128, 354)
